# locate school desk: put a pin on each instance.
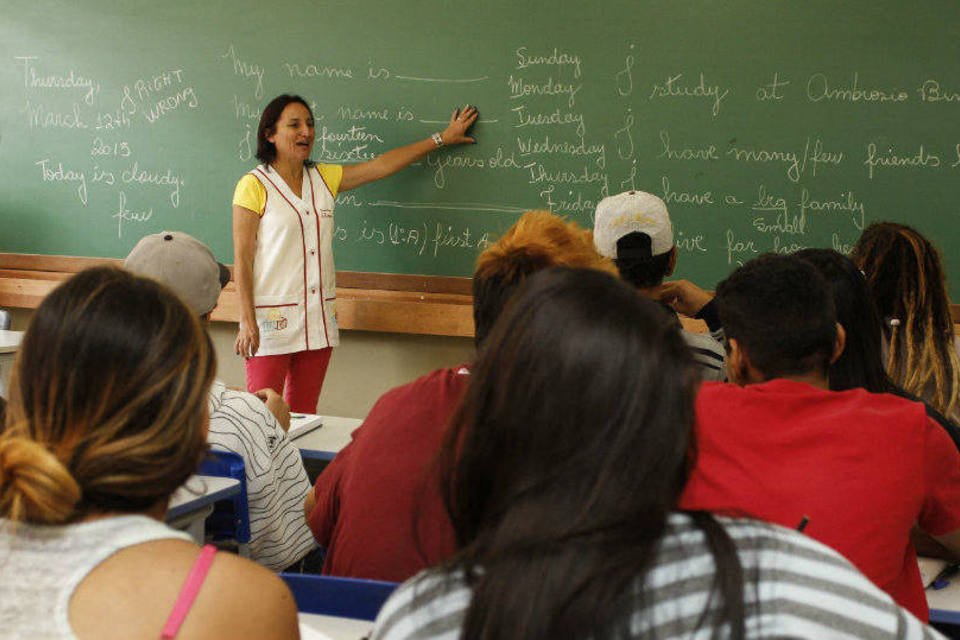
(325, 442)
(316, 627)
(193, 502)
(9, 343)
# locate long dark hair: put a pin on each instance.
(266, 150)
(907, 283)
(571, 447)
(861, 363)
(108, 401)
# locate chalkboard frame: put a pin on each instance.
(391, 303)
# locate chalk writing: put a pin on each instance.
(624, 138)
(737, 248)
(108, 121)
(357, 139)
(699, 199)
(845, 203)
(246, 70)
(146, 96)
(624, 77)
(691, 244)
(442, 162)
(780, 247)
(630, 182)
(795, 163)
(841, 246)
(103, 175)
(573, 201)
(349, 199)
(768, 202)
(50, 172)
(318, 71)
(39, 117)
(685, 153)
(930, 91)
(585, 175)
(818, 88)
(429, 238)
(72, 80)
(359, 113)
(545, 145)
(123, 214)
(245, 146)
(244, 111)
(784, 223)
(521, 88)
(772, 90)
(136, 175)
(672, 87)
(556, 117)
(440, 80)
(557, 58)
(889, 159)
(118, 149)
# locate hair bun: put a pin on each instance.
(35, 486)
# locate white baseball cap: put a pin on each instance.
(630, 211)
(182, 263)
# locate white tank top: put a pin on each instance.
(41, 566)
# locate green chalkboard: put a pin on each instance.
(766, 125)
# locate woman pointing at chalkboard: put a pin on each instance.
(282, 241)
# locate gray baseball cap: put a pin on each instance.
(182, 263)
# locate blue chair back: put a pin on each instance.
(231, 518)
(341, 597)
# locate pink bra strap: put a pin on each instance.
(189, 591)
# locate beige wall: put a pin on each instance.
(363, 367)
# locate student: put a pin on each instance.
(861, 365)
(239, 422)
(906, 279)
(561, 473)
(634, 229)
(376, 510)
(107, 417)
(860, 469)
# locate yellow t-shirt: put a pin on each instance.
(251, 194)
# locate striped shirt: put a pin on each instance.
(709, 355)
(277, 483)
(795, 587)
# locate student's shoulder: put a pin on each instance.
(235, 402)
(431, 604)
(243, 599)
(437, 383)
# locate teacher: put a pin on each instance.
(282, 242)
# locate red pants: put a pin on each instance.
(297, 376)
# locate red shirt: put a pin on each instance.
(862, 467)
(381, 485)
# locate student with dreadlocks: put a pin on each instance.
(907, 283)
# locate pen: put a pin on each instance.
(803, 523)
(943, 578)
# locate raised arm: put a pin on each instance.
(386, 164)
(246, 223)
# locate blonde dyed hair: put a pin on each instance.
(905, 276)
(537, 241)
(108, 401)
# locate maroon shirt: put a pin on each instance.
(379, 512)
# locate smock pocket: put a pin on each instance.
(280, 320)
